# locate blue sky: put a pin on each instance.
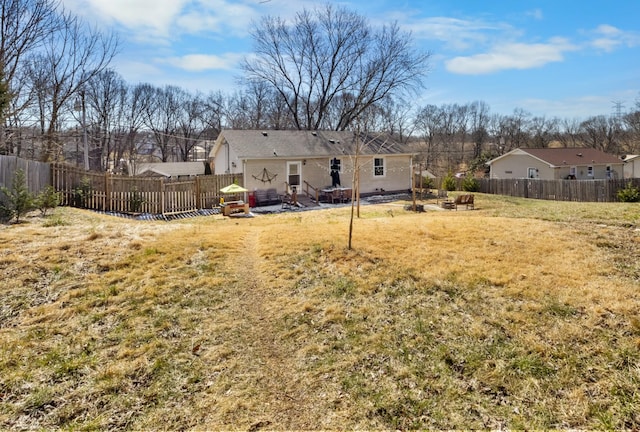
(564, 58)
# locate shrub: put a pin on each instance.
(136, 201)
(449, 182)
(81, 193)
(629, 194)
(47, 199)
(18, 200)
(470, 184)
(427, 183)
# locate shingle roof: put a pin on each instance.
(256, 144)
(567, 156)
(171, 169)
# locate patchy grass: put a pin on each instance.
(521, 314)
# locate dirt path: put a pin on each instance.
(264, 371)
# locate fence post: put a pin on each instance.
(197, 190)
(162, 197)
(108, 187)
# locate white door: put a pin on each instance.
(294, 175)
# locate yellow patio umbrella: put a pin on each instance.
(233, 188)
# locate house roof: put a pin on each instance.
(171, 169)
(257, 144)
(556, 157)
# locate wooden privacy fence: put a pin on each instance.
(122, 194)
(37, 174)
(558, 190)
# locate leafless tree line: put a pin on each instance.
(454, 136)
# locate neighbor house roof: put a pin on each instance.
(557, 157)
(257, 144)
(171, 169)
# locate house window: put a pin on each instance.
(589, 171)
(609, 172)
(532, 173)
(378, 167)
(573, 170)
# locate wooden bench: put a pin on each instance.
(465, 200)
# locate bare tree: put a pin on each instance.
(568, 132)
(328, 54)
(428, 124)
(160, 117)
(105, 95)
(602, 133)
(632, 122)
(24, 25)
(543, 131)
(189, 123)
(69, 59)
(479, 124)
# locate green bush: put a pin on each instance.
(18, 201)
(82, 193)
(470, 184)
(629, 194)
(449, 182)
(47, 199)
(136, 201)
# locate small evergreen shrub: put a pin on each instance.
(47, 199)
(629, 194)
(135, 201)
(82, 193)
(18, 200)
(449, 182)
(470, 184)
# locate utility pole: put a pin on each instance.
(81, 106)
(84, 132)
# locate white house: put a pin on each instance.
(632, 166)
(310, 159)
(556, 164)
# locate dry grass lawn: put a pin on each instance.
(520, 314)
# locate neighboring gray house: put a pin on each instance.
(303, 159)
(169, 169)
(556, 164)
(632, 166)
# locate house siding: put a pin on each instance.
(517, 165)
(632, 168)
(316, 172)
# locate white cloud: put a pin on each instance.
(455, 33)
(203, 62)
(608, 38)
(510, 56)
(148, 19)
(535, 14)
(155, 16)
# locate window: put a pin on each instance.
(532, 173)
(335, 164)
(589, 171)
(573, 170)
(609, 176)
(378, 167)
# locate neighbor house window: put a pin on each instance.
(589, 171)
(378, 167)
(335, 164)
(573, 170)
(609, 172)
(533, 173)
